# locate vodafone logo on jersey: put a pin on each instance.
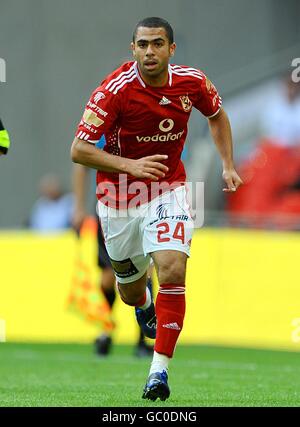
(165, 126)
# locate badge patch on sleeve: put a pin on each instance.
(90, 117)
(124, 268)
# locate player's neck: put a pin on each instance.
(158, 81)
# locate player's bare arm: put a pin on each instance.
(79, 180)
(221, 133)
(149, 167)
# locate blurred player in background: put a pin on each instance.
(107, 285)
(271, 198)
(4, 140)
(280, 123)
(143, 109)
(53, 210)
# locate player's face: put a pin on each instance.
(152, 51)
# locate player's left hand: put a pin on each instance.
(78, 218)
(232, 180)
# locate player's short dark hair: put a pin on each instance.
(155, 22)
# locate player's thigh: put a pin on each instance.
(119, 232)
(103, 257)
(168, 226)
(124, 245)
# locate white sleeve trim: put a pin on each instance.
(213, 115)
(83, 136)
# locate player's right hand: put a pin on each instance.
(149, 167)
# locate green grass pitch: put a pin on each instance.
(71, 375)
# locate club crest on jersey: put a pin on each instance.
(186, 103)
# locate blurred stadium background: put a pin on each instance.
(243, 279)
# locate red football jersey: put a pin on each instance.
(139, 120)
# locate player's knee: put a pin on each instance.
(172, 272)
(130, 301)
(129, 296)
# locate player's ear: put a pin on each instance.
(172, 49)
(132, 49)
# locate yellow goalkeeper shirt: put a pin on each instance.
(4, 139)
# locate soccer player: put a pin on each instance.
(143, 109)
(4, 140)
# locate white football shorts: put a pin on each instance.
(131, 235)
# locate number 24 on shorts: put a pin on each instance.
(164, 228)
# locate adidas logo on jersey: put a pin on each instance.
(172, 326)
(164, 101)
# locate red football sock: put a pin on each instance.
(170, 310)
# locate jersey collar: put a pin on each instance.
(136, 68)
